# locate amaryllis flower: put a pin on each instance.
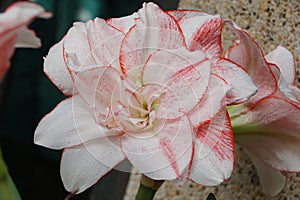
(151, 88)
(268, 125)
(14, 30)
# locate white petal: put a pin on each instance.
(284, 60)
(27, 39)
(69, 124)
(123, 23)
(82, 166)
(284, 90)
(272, 180)
(97, 86)
(56, 69)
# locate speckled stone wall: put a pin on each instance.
(270, 23)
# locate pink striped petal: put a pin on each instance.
(57, 71)
(272, 180)
(184, 91)
(82, 166)
(162, 153)
(250, 56)
(69, 124)
(201, 31)
(211, 103)
(14, 31)
(284, 60)
(242, 87)
(273, 123)
(154, 30)
(213, 154)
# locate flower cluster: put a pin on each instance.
(153, 88)
(272, 116)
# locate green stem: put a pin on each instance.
(148, 188)
(8, 190)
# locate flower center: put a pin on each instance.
(136, 109)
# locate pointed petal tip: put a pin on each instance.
(84, 165)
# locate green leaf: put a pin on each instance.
(8, 190)
(211, 196)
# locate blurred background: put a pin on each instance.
(26, 95)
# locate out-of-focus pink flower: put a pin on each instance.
(14, 30)
(151, 88)
(268, 125)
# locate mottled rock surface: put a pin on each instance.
(270, 23)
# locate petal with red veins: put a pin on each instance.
(123, 24)
(57, 71)
(184, 91)
(201, 31)
(82, 166)
(213, 154)
(242, 87)
(284, 60)
(105, 42)
(90, 44)
(96, 86)
(208, 38)
(182, 15)
(154, 30)
(273, 122)
(162, 153)
(249, 55)
(211, 103)
(69, 124)
(272, 180)
(168, 62)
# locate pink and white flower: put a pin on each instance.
(268, 125)
(151, 88)
(14, 31)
